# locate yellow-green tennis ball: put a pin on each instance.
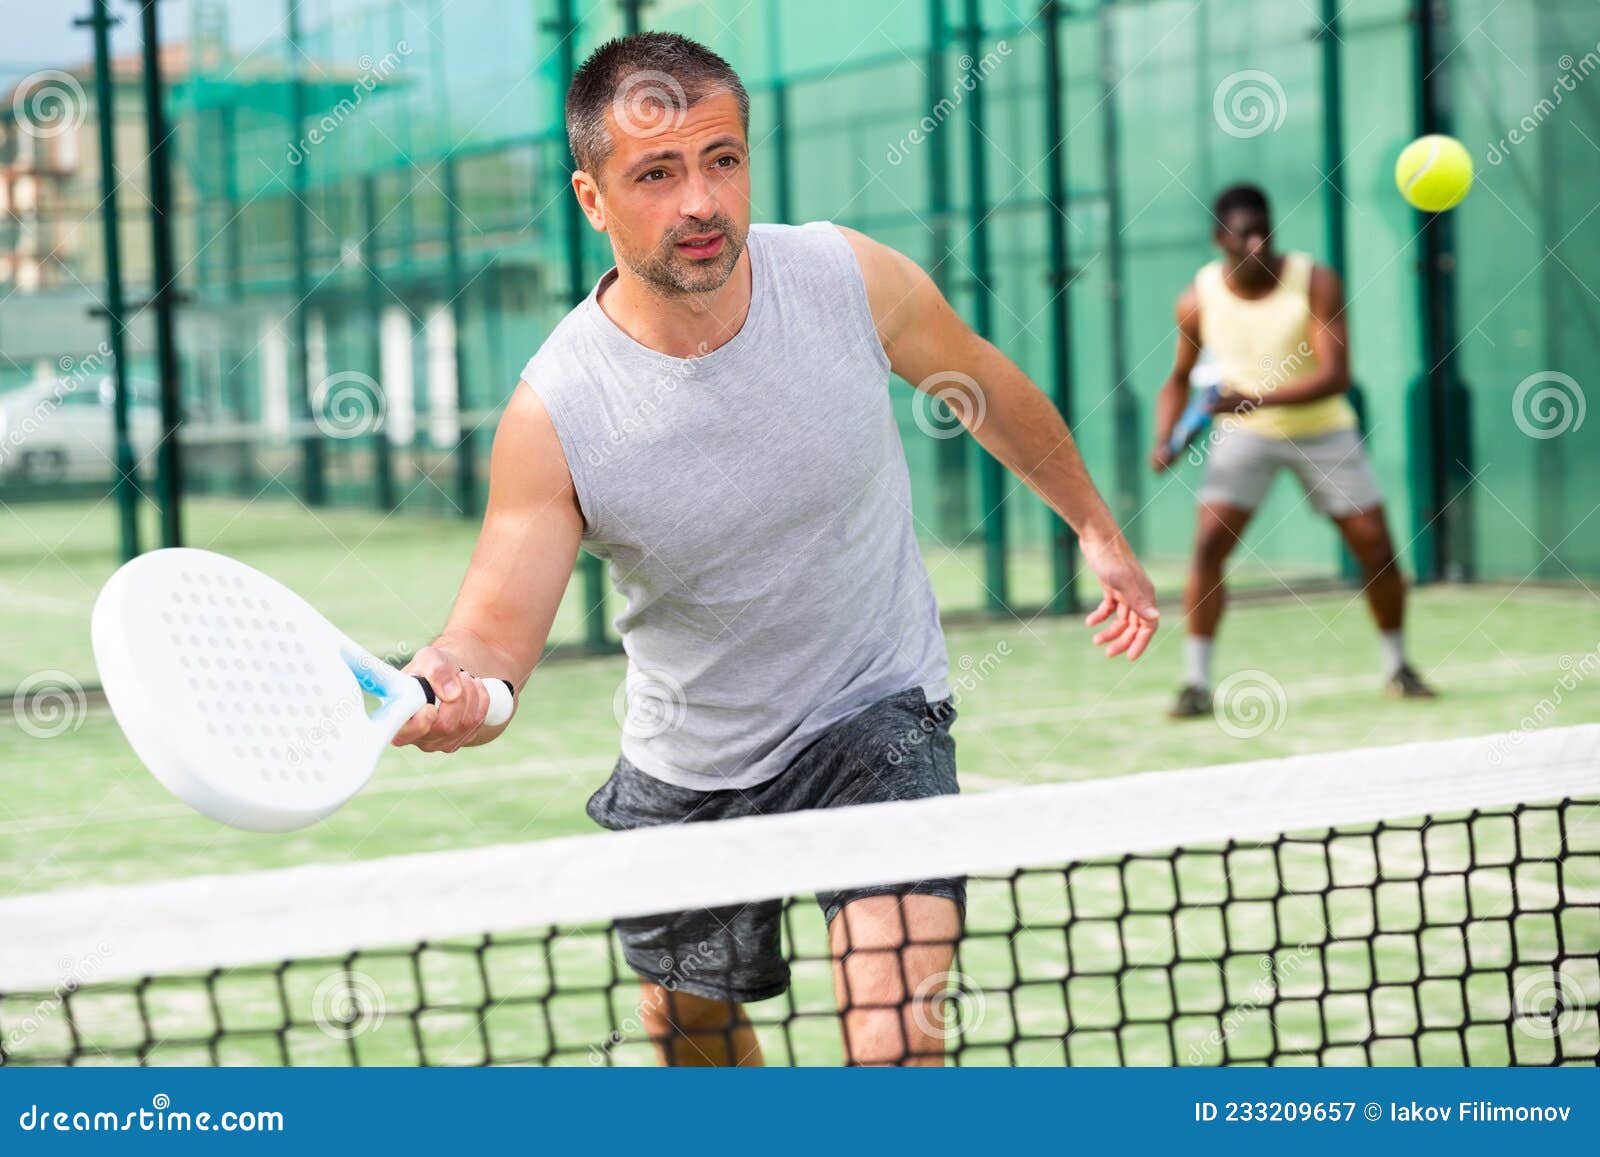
(1434, 173)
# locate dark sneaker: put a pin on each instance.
(1193, 703)
(1407, 684)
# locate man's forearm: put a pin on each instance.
(1025, 432)
(1314, 387)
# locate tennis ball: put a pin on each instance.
(1434, 173)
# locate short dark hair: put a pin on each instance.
(660, 74)
(1250, 197)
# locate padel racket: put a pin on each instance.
(243, 700)
(1205, 386)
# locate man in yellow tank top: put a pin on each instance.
(1273, 326)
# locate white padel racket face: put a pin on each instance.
(242, 699)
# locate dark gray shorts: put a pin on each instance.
(900, 748)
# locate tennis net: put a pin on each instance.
(1424, 904)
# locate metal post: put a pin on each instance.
(632, 19)
(1064, 543)
(950, 454)
(1333, 201)
(125, 486)
(991, 475)
(566, 30)
(164, 290)
(1439, 401)
(313, 487)
(466, 463)
(382, 455)
(780, 115)
(1124, 410)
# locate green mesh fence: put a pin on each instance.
(378, 194)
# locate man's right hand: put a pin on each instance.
(460, 705)
(1161, 458)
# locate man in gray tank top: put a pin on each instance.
(714, 421)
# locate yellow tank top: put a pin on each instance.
(1262, 345)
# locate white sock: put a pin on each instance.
(1393, 644)
(1197, 659)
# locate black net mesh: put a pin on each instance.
(1461, 940)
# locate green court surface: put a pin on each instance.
(1037, 704)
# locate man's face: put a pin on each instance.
(1245, 235)
(674, 194)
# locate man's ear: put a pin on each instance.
(586, 188)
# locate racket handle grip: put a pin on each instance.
(502, 699)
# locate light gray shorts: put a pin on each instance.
(1333, 468)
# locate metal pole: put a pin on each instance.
(950, 454)
(466, 464)
(164, 290)
(991, 475)
(382, 454)
(125, 486)
(1444, 522)
(566, 29)
(311, 449)
(1064, 543)
(780, 115)
(1333, 202)
(1124, 410)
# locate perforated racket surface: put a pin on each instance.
(240, 697)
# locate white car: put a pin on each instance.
(52, 431)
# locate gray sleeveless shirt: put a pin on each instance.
(755, 510)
